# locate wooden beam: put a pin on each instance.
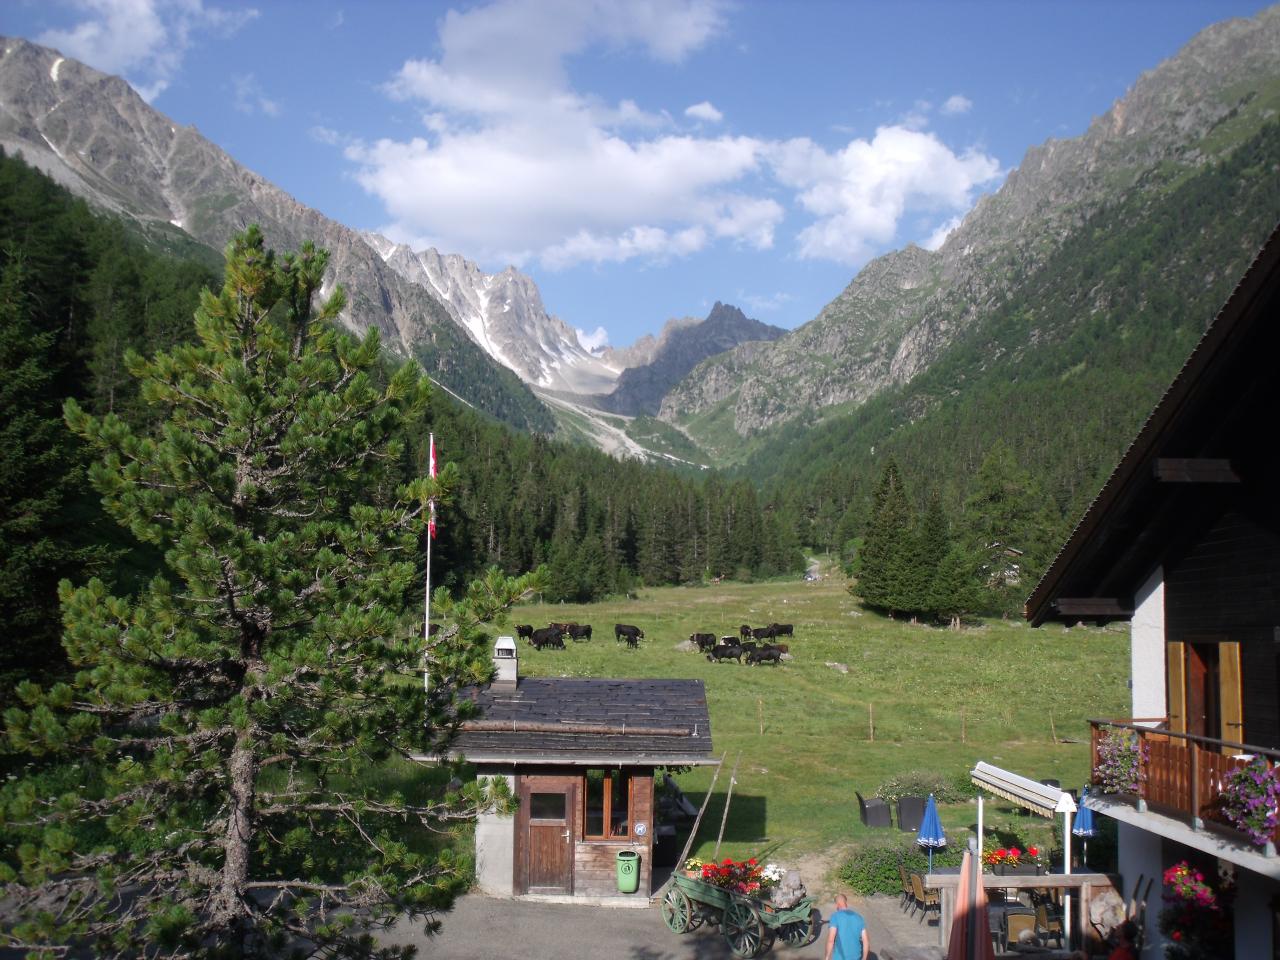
(1194, 470)
(1092, 607)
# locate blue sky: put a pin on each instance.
(640, 160)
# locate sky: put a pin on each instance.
(640, 160)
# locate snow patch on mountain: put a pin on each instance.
(504, 315)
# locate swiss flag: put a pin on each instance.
(431, 472)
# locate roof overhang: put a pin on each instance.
(578, 759)
(1039, 798)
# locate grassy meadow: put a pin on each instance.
(914, 698)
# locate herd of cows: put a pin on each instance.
(744, 644)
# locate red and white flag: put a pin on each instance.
(431, 472)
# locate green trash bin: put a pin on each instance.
(628, 871)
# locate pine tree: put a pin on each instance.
(227, 717)
(883, 578)
(956, 589)
(928, 544)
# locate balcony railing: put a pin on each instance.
(1180, 774)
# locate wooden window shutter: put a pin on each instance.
(1176, 669)
(1231, 702)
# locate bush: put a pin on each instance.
(874, 866)
(921, 783)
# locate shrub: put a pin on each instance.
(921, 783)
(873, 868)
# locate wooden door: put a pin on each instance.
(1230, 700)
(544, 860)
(1177, 665)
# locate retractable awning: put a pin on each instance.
(1037, 797)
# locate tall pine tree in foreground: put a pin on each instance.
(225, 722)
(884, 577)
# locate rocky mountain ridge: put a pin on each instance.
(92, 133)
(903, 309)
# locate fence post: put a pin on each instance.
(1196, 822)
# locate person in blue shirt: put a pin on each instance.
(848, 939)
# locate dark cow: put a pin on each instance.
(780, 647)
(524, 631)
(744, 631)
(725, 651)
(562, 627)
(762, 633)
(547, 637)
(578, 631)
(764, 655)
(782, 629)
(625, 631)
(703, 641)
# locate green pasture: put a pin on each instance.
(807, 735)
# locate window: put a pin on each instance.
(606, 798)
(547, 806)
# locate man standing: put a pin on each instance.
(848, 939)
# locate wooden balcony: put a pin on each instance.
(1182, 776)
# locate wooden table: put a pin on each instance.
(945, 881)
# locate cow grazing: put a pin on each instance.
(780, 647)
(547, 637)
(625, 631)
(762, 633)
(764, 655)
(562, 627)
(725, 651)
(525, 631)
(703, 641)
(782, 629)
(579, 631)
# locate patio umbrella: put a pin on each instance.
(1084, 825)
(970, 928)
(930, 834)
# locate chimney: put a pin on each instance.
(505, 663)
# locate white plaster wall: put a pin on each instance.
(1253, 914)
(1147, 648)
(1140, 856)
(495, 849)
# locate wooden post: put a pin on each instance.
(688, 844)
(871, 721)
(760, 714)
(963, 720)
(1053, 731)
(733, 778)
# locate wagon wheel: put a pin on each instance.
(742, 928)
(677, 911)
(801, 933)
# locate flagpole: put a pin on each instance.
(426, 598)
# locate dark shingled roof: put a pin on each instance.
(585, 721)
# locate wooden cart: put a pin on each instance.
(748, 924)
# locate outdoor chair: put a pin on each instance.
(926, 900)
(1020, 929)
(1048, 927)
(910, 813)
(874, 812)
(908, 895)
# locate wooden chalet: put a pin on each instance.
(1184, 542)
(580, 756)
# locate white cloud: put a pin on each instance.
(955, 104)
(597, 339)
(704, 111)
(249, 98)
(515, 164)
(145, 40)
(859, 194)
(764, 303)
(326, 135)
(940, 234)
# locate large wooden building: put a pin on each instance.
(1184, 542)
(580, 756)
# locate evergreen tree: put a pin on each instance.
(883, 576)
(927, 545)
(956, 588)
(227, 716)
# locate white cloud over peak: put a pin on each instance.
(597, 339)
(859, 194)
(704, 111)
(144, 40)
(957, 103)
(940, 234)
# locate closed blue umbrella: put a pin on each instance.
(930, 834)
(1084, 825)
